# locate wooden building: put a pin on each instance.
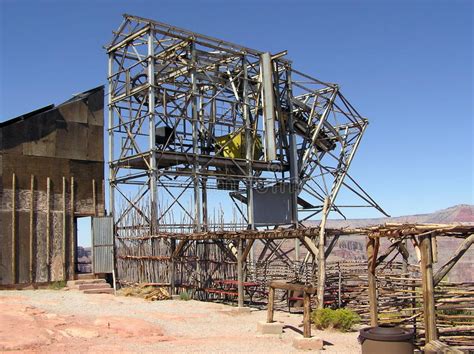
(51, 173)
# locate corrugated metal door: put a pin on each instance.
(103, 244)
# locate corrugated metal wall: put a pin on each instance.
(103, 244)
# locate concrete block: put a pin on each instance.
(313, 343)
(269, 328)
(241, 310)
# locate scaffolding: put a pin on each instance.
(195, 122)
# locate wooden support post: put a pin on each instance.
(463, 247)
(172, 267)
(426, 267)
(271, 299)
(240, 273)
(339, 284)
(64, 243)
(13, 240)
(48, 227)
(372, 283)
(321, 255)
(94, 197)
(32, 213)
(247, 249)
(306, 315)
(72, 232)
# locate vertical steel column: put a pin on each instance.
(151, 131)
(248, 146)
(195, 127)
(111, 138)
(294, 176)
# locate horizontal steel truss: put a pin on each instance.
(202, 88)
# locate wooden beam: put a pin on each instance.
(72, 231)
(271, 299)
(372, 283)
(463, 247)
(48, 227)
(94, 197)
(331, 246)
(13, 235)
(306, 315)
(247, 249)
(32, 213)
(240, 273)
(310, 246)
(426, 267)
(321, 255)
(64, 243)
(172, 267)
(179, 248)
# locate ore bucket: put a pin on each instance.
(387, 340)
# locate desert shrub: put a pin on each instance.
(184, 295)
(340, 319)
(57, 285)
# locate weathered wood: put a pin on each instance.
(177, 251)
(321, 255)
(372, 283)
(94, 197)
(306, 315)
(72, 232)
(247, 249)
(309, 244)
(294, 287)
(331, 246)
(31, 236)
(426, 267)
(240, 274)
(48, 227)
(463, 247)
(172, 267)
(13, 235)
(271, 299)
(64, 217)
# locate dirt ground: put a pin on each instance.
(70, 321)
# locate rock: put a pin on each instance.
(313, 343)
(81, 332)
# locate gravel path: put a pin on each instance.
(52, 320)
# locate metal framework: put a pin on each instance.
(197, 122)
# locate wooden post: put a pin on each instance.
(13, 240)
(32, 211)
(64, 243)
(72, 241)
(426, 267)
(48, 225)
(339, 284)
(371, 261)
(271, 297)
(172, 267)
(94, 197)
(240, 273)
(321, 256)
(306, 315)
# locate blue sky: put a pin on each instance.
(406, 65)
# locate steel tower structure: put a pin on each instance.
(191, 116)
